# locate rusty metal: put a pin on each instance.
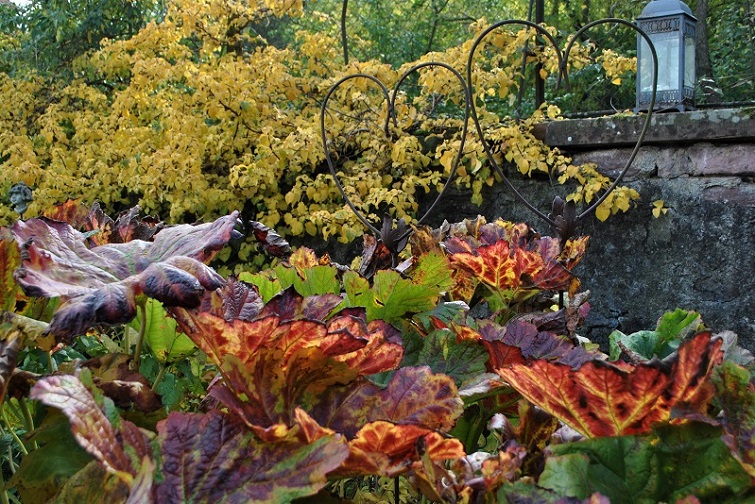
(563, 217)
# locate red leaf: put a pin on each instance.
(557, 273)
(375, 257)
(125, 228)
(214, 458)
(72, 211)
(241, 300)
(533, 344)
(603, 399)
(267, 389)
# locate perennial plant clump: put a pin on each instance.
(457, 373)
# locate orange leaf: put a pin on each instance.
(605, 399)
(492, 265)
(386, 449)
(378, 354)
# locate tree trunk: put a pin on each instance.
(702, 52)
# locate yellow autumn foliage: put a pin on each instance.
(195, 116)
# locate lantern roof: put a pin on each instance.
(660, 8)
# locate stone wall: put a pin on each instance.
(700, 255)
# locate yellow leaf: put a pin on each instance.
(616, 81)
(659, 208)
(603, 211)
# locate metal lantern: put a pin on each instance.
(671, 28)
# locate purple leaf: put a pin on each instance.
(215, 458)
(101, 284)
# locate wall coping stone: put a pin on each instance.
(708, 125)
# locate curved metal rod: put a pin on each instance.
(390, 115)
(646, 124)
(460, 152)
(485, 143)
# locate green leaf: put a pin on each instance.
(678, 324)
(394, 296)
(735, 392)
(166, 342)
(446, 312)
(674, 462)
(673, 327)
(357, 289)
(568, 475)
(390, 297)
(643, 343)
(618, 467)
(525, 492)
(433, 271)
(170, 391)
(267, 283)
(694, 460)
(321, 279)
(45, 470)
(457, 359)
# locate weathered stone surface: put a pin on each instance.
(674, 128)
(735, 193)
(698, 160)
(698, 256)
(729, 159)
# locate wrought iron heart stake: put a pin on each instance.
(394, 238)
(564, 216)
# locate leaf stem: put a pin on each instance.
(28, 420)
(51, 362)
(159, 377)
(12, 432)
(142, 331)
(3, 491)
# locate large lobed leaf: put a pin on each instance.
(736, 392)
(520, 342)
(672, 329)
(9, 261)
(290, 322)
(386, 449)
(414, 396)
(101, 284)
(604, 399)
(277, 362)
(215, 458)
(89, 425)
(507, 256)
(673, 462)
(390, 297)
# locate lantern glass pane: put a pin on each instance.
(667, 47)
(689, 62)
